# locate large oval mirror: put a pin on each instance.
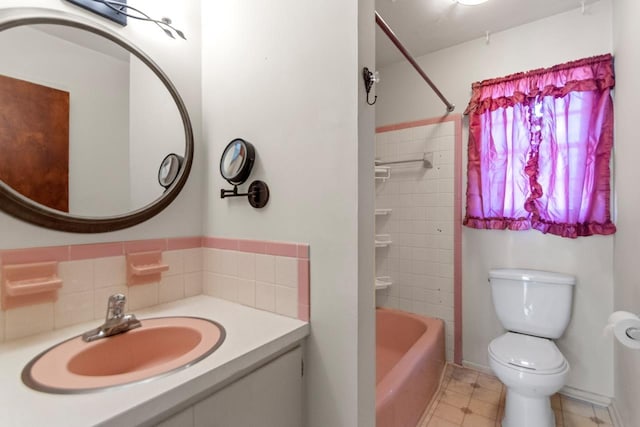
(86, 123)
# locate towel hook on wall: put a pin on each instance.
(369, 79)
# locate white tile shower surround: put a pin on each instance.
(420, 260)
(266, 282)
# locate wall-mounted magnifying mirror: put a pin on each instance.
(235, 166)
(87, 118)
(169, 169)
(237, 161)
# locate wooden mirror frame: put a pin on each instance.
(13, 203)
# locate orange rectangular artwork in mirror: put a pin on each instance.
(34, 141)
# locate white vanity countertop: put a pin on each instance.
(253, 336)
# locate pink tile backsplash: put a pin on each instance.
(303, 251)
(287, 271)
(184, 243)
(109, 271)
(285, 249)
(73, 308)
(303, 312)
(220, 243)
(28, 320)
(281, 274)
(282, 249)
(247, 292)
(192, 260)
(221, 261)
(97, 250)
(77, 276)
(286, 301)
(269, 282)
(192, 284)
(272, 276)
(145, 245)
(22, 256)
(143, 296)
(303, 282)
(175, 260)
(247, 265)
(253, 246)
(265, 268)
(265, 296)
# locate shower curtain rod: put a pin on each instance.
(389, 32)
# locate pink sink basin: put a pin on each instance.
(160, 346)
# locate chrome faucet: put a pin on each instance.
(116, 322)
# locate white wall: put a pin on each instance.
(184, 216)
(156, 130)
(284, 76)
(98, 114)
(403, 96)
(627, 285)
(366, 224)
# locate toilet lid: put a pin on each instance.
(525, 351)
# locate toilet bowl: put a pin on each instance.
(535, 308)
(532, 369)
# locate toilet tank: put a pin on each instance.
(532, 302)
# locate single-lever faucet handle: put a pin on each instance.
(115, 306)
(116, 321)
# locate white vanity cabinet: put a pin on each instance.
(254, 379)
(270, 396)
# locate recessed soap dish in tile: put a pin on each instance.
(29, 284)
(145, 267)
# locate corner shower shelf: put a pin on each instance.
(383, 240)
(383, 282)
(383, 212)
(383, 172)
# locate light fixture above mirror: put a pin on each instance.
(118, 11)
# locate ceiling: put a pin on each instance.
(424, 26)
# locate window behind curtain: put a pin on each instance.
(539, 150)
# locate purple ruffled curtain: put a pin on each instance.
(539, 150)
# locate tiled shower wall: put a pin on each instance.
(270, 276)
(420, 259)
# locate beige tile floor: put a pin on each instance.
(468, 398)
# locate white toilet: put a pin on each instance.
(535, 307)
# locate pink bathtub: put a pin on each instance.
(409, 362)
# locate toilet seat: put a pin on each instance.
(527, 353)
